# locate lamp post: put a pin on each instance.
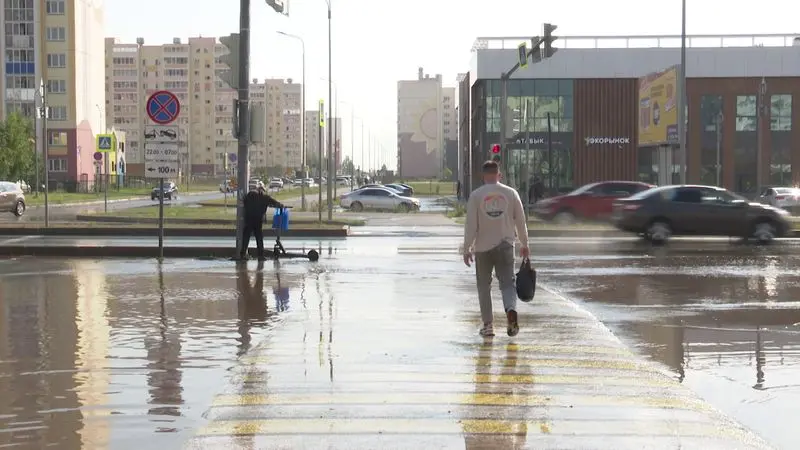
(302, 119)
(682, 97)
(44, 112)
(330, 111)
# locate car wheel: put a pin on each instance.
(153, 198)
(356, 206)
(19, 208)
(764, 232)
(564, 218)
(404, 207)
(659, 232)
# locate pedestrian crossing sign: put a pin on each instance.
(105, 142)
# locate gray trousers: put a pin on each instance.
(499, 260)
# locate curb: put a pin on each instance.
(174, 232)
(127, 251)
(154, 221)
(116, 200)
(590, 233)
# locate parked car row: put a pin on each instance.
(658, 213)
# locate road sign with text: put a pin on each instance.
(160, 169)
(161, 152)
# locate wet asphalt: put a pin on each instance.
(376, 346)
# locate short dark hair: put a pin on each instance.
(491, 167)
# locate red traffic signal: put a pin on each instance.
(496, 148)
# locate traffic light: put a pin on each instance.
(548, 40)
(279, 6)
(230, 74)
(522, 50)
(496, 152)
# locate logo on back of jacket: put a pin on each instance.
(494, 205)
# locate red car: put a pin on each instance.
(590, 202)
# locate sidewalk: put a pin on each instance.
(371, 372)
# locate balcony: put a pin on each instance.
(19, 41)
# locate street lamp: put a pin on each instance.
(682, 98)
(44, 112)
(330, 111)
(302, 120)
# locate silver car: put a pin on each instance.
(12, 198)
(378, 198)
(781, 197)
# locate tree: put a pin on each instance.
(347, 165)
(17, 154)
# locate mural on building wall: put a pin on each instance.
(419, 155)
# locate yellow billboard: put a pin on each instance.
(658, 108)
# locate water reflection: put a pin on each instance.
(164, 373)
(102, 354)
(728, 327)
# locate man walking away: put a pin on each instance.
(256, 203)
(494, 215)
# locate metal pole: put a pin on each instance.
(719, 148)
(760, 110)
(46, 157)
(549, 153)
(303, 130)
(319, 166)
(682, 97)
(244, 118)
(352, 145)
(331, 163)
(527, 155)
(336, 145)
(503, 119)
(161, 219)
(362, 149)
(105, 182)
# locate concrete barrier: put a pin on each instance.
(195, 231)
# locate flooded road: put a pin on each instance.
(728, 326)
(102, 354)
(98, 354)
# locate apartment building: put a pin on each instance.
(59, 43)
(134, 71)
(312, 138)
(281, 100)
(426, 127)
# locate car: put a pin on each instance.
(254, 184)
(377, 198)
(662, 212)
(150, 134)
(276, 183)
(168, 133)
(12, 198)
(170, 192)
(781, 197)
(343, 180)
(227, 187)
(24, 186)
(406, 191)
(589, 202)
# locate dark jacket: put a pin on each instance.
(256, 205)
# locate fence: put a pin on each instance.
(118, 183)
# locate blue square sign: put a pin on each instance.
(105, 143)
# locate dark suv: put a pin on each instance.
(170, 192)
(590, 202)
(662, 212)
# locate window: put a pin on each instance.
(781, 112)
(57, 164)
(58, 113)
(688, 195)
(56, 60)
(711, 111)
(746, 113)
(55, 7)
(56, 86)
(711, 116)
(56, 33)
(57, 138)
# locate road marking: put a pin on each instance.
(474, 399)
(357, 361)
(649, 428)
(472, 379)
(16, 240)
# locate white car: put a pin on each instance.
(780, 197)
(276, 183)
(377, 198)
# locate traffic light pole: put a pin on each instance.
(244, 119)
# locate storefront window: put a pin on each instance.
(781, 112)
(745, 113)
(711, 115)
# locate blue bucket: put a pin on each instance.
(280, 220)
